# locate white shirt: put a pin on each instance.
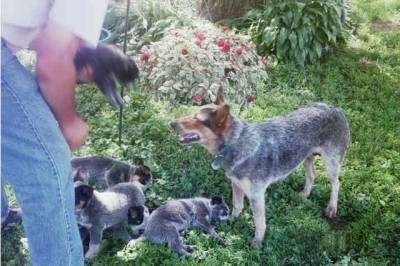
(21, 20)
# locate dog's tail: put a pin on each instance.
(108, 64)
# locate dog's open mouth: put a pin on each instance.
(189, 138)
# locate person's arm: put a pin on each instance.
(56, 48)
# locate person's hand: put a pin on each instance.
(75, 132)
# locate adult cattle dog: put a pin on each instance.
(257, 155)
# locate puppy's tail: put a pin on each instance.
(108, 64)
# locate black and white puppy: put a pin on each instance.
(97, 211)
(105, 65)
(101, 172)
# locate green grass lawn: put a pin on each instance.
(363, 79)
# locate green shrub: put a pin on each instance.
(191, 64)
(148, 21)
(297, 31)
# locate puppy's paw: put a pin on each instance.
(136, 241)
(92, 252)
(221, 241)
(182, 253)
(235, 213)
(190, 248)
(256, 243)
(89, 257)
(304, 193)
(330, 212)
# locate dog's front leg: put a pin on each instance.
(139, 229)
(94, 244)
(237, 200)
(257, 203)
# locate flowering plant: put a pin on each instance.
(190, 64)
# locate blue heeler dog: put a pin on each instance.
(257, 155)
(166, 223)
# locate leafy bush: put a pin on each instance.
(191, 64)
(298, 31)
(148, 21)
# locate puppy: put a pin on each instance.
(97, 211)
(165, 224)
(101, 172)
(104, 65)
(257, 155)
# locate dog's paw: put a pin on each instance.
(190, 248)
(330, 212)
(304, 194)
(235, 214)
(92, 252)
(89, 257)
(256, 243)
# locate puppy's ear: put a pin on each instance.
(84, 192)
(136, 215)
(220, 97)
(144, 174)
(79, 174)
(216, 200)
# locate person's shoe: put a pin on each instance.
(13, 219)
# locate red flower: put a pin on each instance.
(220, 43)
(197, 42)
(185, 51)
(200, 36)
(226, 48)
(144, 57)
(250, 98)
(198, 98)
(224, 28)
(239, 51)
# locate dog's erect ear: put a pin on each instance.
(136, 215)
(219, 100)
(216, 200)
(220, 116)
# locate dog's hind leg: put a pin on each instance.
(332, 163)
(257, 203)
(175, 242)
(237, 200)
(310, 175)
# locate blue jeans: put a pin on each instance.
(35, 161)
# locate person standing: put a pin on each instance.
(39, 124)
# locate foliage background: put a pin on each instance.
(362, 78)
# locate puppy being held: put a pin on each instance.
(104, 65)
(102, 172)
(167, 222)
(254, 156)
(97, 211)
